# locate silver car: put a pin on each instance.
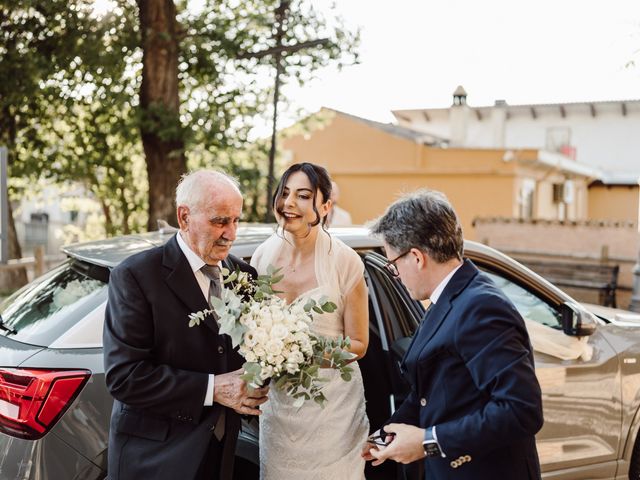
(55, 408)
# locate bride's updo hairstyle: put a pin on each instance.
(318, 178)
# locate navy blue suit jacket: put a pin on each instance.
(157, 369)
(471, 369)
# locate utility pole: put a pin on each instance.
(634, 306)
(4, 208)
(278, 51)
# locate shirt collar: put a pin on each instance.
(195, 262)
(441, 286)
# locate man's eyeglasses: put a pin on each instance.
(383, 439)
(391, 264)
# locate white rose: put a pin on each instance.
(276, 314)
(291, 368)
(249, 356)
(249, 339)
(273, 347)
(295, 357)
(261, 336)
(302, 326)
(279, 332)
(266, 320)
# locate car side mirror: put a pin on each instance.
(576, 321)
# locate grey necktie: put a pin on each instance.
(212, 272)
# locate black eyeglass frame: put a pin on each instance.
(390, 266)
(380, 439)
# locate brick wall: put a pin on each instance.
(583, 241)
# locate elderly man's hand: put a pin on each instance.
(405, 447)
(231, 391)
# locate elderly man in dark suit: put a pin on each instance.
(178, 392)
(475, 403)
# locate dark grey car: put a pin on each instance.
(54, 406)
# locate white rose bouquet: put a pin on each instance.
(275, 338)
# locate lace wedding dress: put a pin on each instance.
(312, 443)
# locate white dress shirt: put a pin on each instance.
(196, 263)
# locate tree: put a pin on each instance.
(199, 85)
(85, 98)
(84, 126)
(36, 40)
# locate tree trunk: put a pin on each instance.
(159, 104)
(13, 279)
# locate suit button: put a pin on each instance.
(423, 402)
(220, 349)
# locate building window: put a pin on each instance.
(558, 140)
(526, 198)
(563, 192)
(36, 231)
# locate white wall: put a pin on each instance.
(609, 140)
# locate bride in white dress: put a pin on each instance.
(310, 442)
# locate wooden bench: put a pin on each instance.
(601, 277)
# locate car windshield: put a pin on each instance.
(45, 309)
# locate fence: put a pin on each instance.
(36, 265)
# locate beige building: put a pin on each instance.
(616, 199)
(374, 162)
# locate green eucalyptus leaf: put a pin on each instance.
(329, 307)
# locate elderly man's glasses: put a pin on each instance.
(391, 264)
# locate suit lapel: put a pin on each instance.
(441, 309)
(182, 281)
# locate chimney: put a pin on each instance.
(498, 120)
(459, 118)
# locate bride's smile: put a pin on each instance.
(298, 206)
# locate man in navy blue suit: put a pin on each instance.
(475, 404)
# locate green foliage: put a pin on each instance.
(69, 106)
(69, 102)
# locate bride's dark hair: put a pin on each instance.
(319, 179)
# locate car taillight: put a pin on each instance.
(32, 400)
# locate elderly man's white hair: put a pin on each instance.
(193, 186)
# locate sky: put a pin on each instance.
(414, 53)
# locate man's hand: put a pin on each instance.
(231, 391)
(366, 451)
(376, 441)
(405, 447)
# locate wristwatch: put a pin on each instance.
(430, 444)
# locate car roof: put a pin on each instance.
(111, 251)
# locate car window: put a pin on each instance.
(529, 305)
(399, 313)
(46, 308)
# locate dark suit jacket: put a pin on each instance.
(472, 374)
(157, 367)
